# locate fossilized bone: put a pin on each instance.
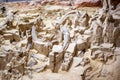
(6, 75)
(107, 4)
(97, 72)
(19, 62)
(85, 18)
(23, 26)
(66, 34)
(105, 26)
(83, 23)
(29, 43)
(33, 33)
(116, 33)
(67, 61)
(8, 21)
(97, 33)
(116, 11)
(108, 29)
(16, 74)
(38, 22)
(75, 22)
(83, 62)
(71, 2)
(66, 15)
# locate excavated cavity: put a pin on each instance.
(54, 43)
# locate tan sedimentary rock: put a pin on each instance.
(42, 47)
(56, 57)
(8, 23)
(82, 44)
(68, 56)
(23, 26)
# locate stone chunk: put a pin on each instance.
(67, 61)
(81, 44)
(68, 56)
(55, 58)
(41, 47)
(2, 61)
(49, 36)
(52, 61)
(76, 61)
(107, 45)
(56, 48)
(31, 62)
(12, 35)
(102, 52)
(71, 48)
(103, 47)
(58, 55)
(8, 36)
(16, 37)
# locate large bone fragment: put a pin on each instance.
(67, 15)
(66, 34)
(33, 33)
(12, 35)
(41, 47)
(8, 21)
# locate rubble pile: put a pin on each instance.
(60, 41)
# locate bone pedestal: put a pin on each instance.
(55, 58)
